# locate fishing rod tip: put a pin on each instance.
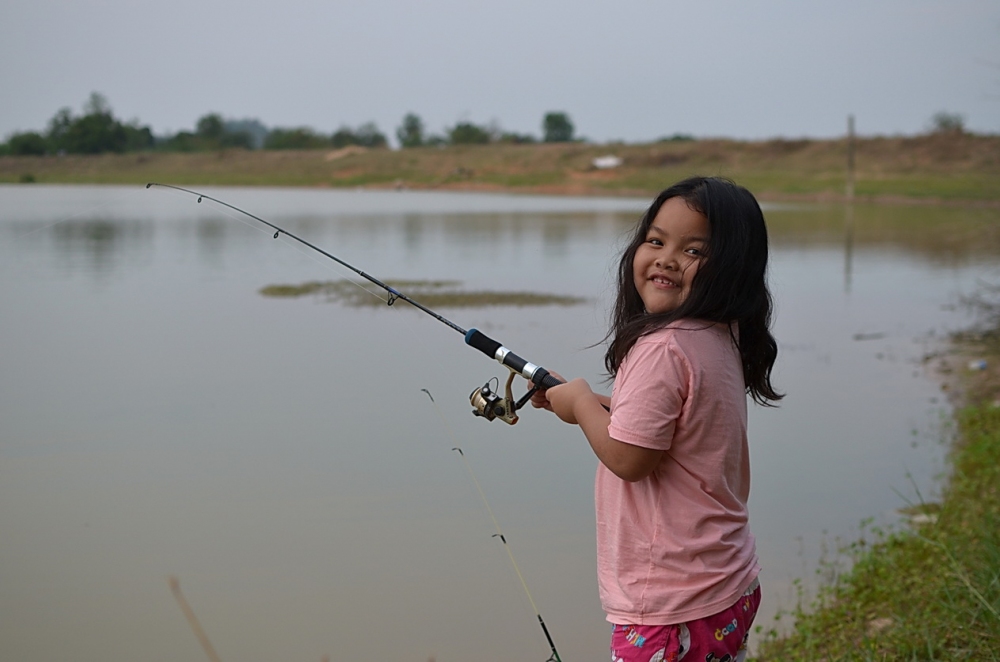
(428, 394)
(149, 184)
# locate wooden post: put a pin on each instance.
(849, 208)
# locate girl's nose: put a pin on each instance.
(666, 260)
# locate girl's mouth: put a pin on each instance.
(662, 281)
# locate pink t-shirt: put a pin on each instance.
(676, 546)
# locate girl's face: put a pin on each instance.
(665, 263)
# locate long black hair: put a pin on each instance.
(730, 286)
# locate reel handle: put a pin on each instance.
(537, 375)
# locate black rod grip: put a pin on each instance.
(541, 378)
(482, 342)
(544, 379)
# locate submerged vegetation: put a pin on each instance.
(434, 294)
(930, 591)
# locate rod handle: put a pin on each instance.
(537, 375)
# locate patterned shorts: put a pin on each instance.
(721, 637)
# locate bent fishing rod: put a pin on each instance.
(486, 402)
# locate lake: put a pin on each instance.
(160, 417)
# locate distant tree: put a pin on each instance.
(517, 138)
(210, 127)
(211, 132)
(97, 104)
(183, 141)
(138, 138)
(411, 132)
(299, 138)
(59, 127)
(240, 139)
(677, 138)
(368, 135)
(945, 122)
(557, 128)
(28, 143)
(95, 133)
(253, 128)
(343, 137)
(466, 133)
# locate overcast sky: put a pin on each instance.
(632, 70)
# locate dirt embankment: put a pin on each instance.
(968, 366)
(958, 168)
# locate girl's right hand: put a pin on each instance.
(539, 400)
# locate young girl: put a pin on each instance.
(690, 339)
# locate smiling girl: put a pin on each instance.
(689, 342)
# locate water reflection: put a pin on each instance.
(98, 247)
(848, 245)
(946, 236)
(212, 238)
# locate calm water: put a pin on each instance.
(159, 417)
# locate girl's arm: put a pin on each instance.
(575, 403)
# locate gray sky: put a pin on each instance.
(631, 70)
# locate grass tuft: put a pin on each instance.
(433, 294)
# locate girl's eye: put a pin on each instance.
(654, 241)
(697, 252)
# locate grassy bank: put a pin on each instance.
(931, 591)
(945, 167)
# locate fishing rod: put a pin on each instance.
(486, 402)
(499, 534)
(199, 632)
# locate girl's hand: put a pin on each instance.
(539, 400)
(563, 399)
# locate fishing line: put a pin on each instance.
(228, 210)
(486, 402)
(499, 534)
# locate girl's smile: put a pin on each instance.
(666, 262)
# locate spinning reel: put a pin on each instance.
(489, 404)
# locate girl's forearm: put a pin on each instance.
(627, 461)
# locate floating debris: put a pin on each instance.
(868, 336)
(433, 293)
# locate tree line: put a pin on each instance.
(98, 131)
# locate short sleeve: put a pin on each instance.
(649, 393)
